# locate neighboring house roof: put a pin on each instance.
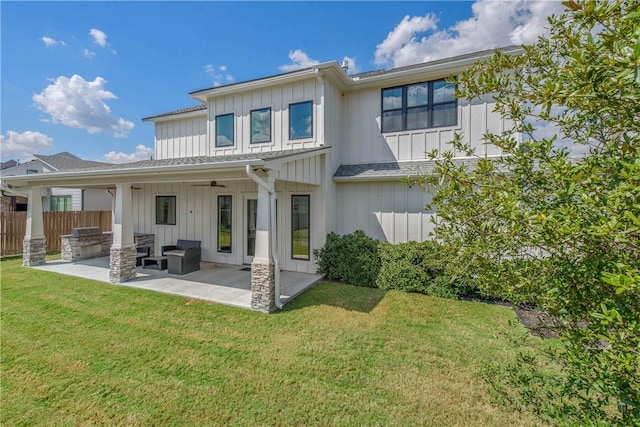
(392, 170)
(66, 161)
(8, 164)
(193, 109)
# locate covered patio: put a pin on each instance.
(194, 191)
(219, 283)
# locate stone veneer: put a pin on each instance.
(71, 247)
(263, 290)
(122, 264)
(33, 251)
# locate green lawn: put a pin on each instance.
(76, 351)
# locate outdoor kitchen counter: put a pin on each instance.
(91, 242)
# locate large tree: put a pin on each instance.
(555, 221)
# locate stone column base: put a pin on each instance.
(263, 289)
(122, 264)
(33, 251)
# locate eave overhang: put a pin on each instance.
(217, 169)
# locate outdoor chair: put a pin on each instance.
(183, 257)
(142, 252)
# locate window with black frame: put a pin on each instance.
(225, 223)
(419, 106)
(166, 210)
(300, 227)
(224, 130)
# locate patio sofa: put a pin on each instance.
(183, 257)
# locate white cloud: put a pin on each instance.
(299, 59)
(353, 67)
(99, 37)
(78, 103)
(218, 74)
(48, 41)
(23, 145)
(142, 153)
(418, 39)
(88, 54)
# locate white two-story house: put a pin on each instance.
(261, 171)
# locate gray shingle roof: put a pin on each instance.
(392, 169)
(180, 111)
(373, 73)
(66, 161)
(8, 164)
(199, 160)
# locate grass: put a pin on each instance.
(76, 351)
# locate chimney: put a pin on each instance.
(345, 65)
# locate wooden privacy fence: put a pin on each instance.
(13, 225)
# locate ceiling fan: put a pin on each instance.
(211, 184)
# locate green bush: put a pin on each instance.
(443, 287)
(359, 260)
(351, 258)
(401, 267)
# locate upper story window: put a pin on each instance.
(301, 120)
(29, 171)
(419, 106)
(224, 130)
(261, 125)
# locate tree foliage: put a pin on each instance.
(555, 221)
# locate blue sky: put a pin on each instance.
(79, 76)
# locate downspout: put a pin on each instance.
(272, 228)
(320, 108)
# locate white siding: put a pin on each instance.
(76, 198)
(306, 171)
(185, 137)
(97, 200)
(196, 218)
(364, 142)
(278, 98)
(389, 211)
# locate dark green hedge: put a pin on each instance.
(359, 260)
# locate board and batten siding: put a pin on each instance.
(364, 142)
(196, 218)
(307, 171)
(278, 99)
(184, 137)
(385, 210)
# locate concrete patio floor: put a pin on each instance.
(221, 283)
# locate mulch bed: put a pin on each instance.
(538, 322)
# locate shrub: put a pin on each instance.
(401, 267)
(359, 260)
(351, 258)
(444, 287)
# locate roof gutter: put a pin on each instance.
(6, 190)
(131, 172)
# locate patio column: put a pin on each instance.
(123, 249)
(34, 245)
(262, 267)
